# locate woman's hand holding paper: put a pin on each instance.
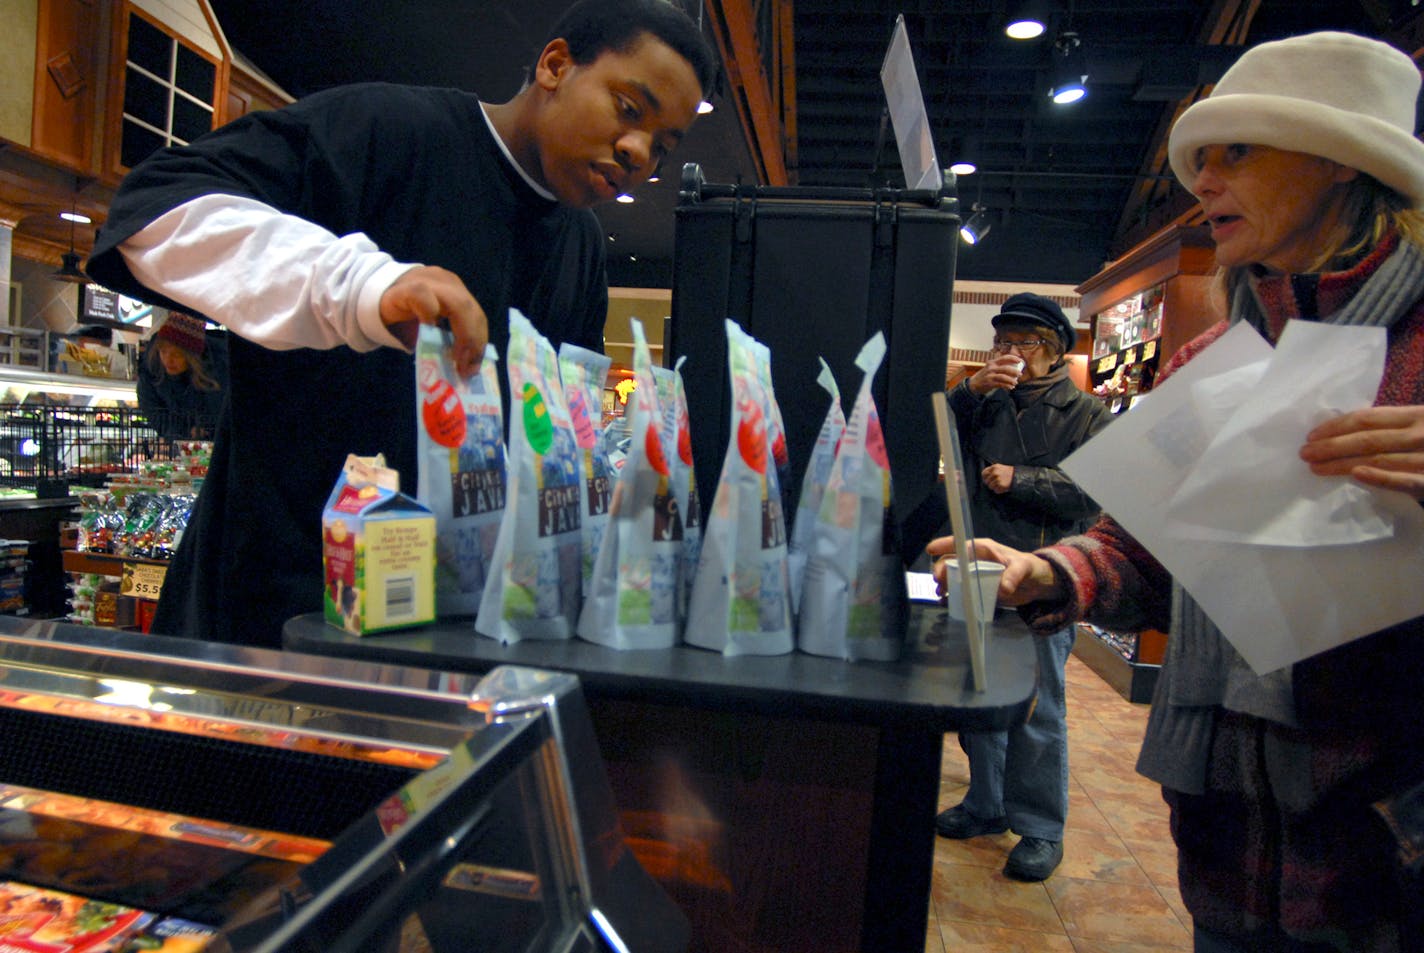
(1378, 446)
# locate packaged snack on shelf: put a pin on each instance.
(534, 586)
(32, 918)
(632, 601)
(583, 373)
(741, 601)
(854, 604)
(813, 484)
(684, 487)
(460, 467)
(378, 551)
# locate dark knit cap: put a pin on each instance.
(185, 331)
(1029, 308)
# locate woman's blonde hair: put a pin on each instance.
(198, 374)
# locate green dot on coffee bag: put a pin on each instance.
(537, 425)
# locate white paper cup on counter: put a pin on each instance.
(985, 574)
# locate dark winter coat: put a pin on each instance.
(1042, 505)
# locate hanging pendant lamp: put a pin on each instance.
(69, 269)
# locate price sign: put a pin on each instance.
(142, 580)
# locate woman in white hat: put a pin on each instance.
(1305, 164)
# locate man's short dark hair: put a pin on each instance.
(592, 27)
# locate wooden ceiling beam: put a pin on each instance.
(1154, 202)
(734, 26)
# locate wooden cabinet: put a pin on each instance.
(1144, 307)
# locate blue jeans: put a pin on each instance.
(1022, 773)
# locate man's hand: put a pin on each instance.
(428, 295)
(998, 477)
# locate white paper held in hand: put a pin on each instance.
(1276, 604)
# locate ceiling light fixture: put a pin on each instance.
(973, 231)
(625, 199)
(1070, 70)
(1027, 20)
(69, 270)
(965, 149)
(705, 107)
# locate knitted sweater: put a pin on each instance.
(1316, 866)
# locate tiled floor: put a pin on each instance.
(1116, 890)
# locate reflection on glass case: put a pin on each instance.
(226, 799)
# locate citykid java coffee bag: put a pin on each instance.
(741, 601)
(632, 602)
(460, 467)
(813, 484)
(684, 488)
(775, 427)
(583, 373)
(533, 588)
(854, 605)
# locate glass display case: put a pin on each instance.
(159, 794)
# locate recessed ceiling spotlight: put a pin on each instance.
(705, 107)
(1027, 19)
(1024, 29)
(964, 168)
(626, 199)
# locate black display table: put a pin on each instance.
(786, 802)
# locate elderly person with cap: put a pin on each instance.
(180, 386)
(1306, 167)
(1019, 416)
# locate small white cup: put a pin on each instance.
(1019, 371)
(983, 572)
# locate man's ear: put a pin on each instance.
(554, 63)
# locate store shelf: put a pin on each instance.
(1118, 664)
(133, 603)
(103, 564)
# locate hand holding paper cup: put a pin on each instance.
(983, 573)
(1002, 372)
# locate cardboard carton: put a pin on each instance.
(378, 551)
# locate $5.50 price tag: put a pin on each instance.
(142, 580)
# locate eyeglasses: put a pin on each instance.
(1026, 347)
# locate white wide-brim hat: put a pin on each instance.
(1339, 96)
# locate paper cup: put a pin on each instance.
(986, 574)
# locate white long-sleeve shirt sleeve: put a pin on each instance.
(275, 279)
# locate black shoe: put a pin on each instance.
(958, 824)
(1033, 859)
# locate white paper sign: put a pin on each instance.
(907, 113)
(1286, 563)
